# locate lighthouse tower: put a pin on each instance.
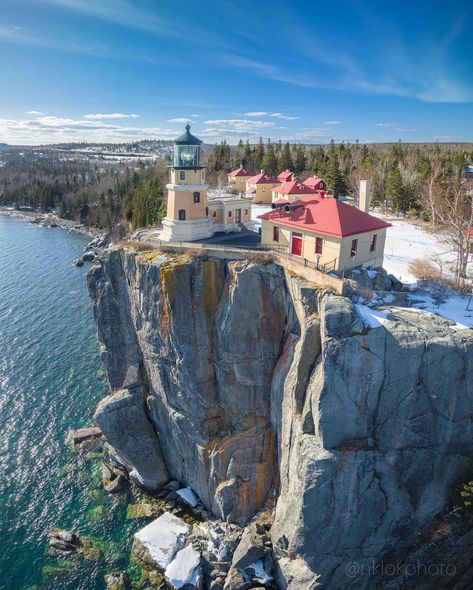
(187, 217)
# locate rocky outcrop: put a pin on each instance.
(260, 392)
(384, 434)
(122, 416)
(202, 339)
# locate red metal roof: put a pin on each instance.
(250, 191)
(240, 172)
(313, 182)
(262, 178)
(326, 216)
(285, 176)
(294, 187)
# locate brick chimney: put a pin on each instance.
(365, 194)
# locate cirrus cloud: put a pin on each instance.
(270, 114)
(180, 120)
(111, 116)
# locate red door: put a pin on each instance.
(296, 245)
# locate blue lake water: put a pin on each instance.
(51, 378)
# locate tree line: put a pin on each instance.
(99, 195)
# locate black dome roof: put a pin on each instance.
(187, 138)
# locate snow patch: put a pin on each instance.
(136, 477)
(164, 537)
(372, 318)
(189, 496)
(184, 568)
(260, 575)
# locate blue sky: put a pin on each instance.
(114, 70)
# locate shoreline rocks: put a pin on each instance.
(65, 541)
(83, 437)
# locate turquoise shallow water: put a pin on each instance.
(50, 381)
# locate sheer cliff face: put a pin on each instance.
(258, 389)
(203, 339)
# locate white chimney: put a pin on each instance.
(365, 193)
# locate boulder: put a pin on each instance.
(88, 256)
(158, 542)
(339, 317)
(116, 485)
(188, 496)
(78, 262)
(107, 472)
(124, 422)
(64, 541)
(84, 436)
(250, 549)
(185, 569)
(116, 581)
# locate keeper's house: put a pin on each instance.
(237, 179)
(259, 187)
(292, 190)
(325, 231)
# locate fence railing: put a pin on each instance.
(310, 270)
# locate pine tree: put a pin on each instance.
(240, 154)
(270, 161)
(300, 160)
(396, 190)
(259, 154)
(285, 159)
(335, 178)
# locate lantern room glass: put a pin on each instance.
(187, 156)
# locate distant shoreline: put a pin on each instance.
(51, 220)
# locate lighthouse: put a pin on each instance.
(187, 216)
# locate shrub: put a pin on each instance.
(260, 257)
(424, 270)
(467, 494)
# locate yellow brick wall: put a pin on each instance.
(338, 249)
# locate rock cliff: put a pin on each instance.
(261, 392)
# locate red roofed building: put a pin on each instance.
(286, 176)
(316, 184)
(260, 187)
(325, 231)
(237, 179)
(292, 191)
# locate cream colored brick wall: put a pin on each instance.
(334, 249)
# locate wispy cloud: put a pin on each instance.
(34, 113)
(269, 114)
(384, 125)
(60, 129)
(125, 13)
(434, 76)
(111, 116)
(180, 120)
(240, 124)
(332, 123)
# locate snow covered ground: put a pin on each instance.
(406, 242)
(258, 210)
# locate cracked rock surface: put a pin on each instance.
(262, 393)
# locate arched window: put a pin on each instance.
(196, 197)
(182, 214)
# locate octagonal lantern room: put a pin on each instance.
(187, 150)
